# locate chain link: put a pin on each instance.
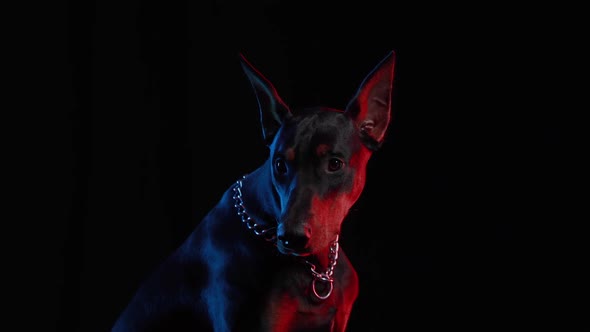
(269, 234)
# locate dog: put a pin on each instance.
(267, 256)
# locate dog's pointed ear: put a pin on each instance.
(273, 111)
(371, 106)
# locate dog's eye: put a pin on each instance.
(335, 164)
(280, 166)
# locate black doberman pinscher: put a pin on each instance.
(267, 257)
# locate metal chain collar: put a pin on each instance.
(269, 234)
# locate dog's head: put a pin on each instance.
(318, 157)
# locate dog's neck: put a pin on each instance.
(262, 227)
(256, 194)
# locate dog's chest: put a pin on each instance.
(286, 313)
(290, 306)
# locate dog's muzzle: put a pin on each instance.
(293, 242)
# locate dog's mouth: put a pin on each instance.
(292, 252)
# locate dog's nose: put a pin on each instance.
(294, 242)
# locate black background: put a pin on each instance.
(143, 117)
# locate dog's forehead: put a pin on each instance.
(319, 130)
